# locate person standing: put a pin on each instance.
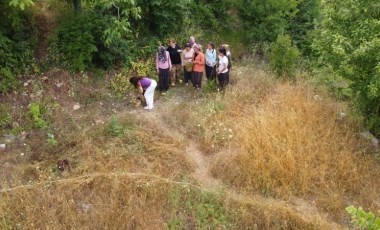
(163, 65)
(187, 57)
(222, 71)
(145, 84)
(210, 61)
(228, 54)
(192, 41)
(175, 57)
(199, 67)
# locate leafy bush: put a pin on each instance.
(8, 80)
(120, 85)
(363, 219)
(264, 20)
(37, 116)
(114, 128)
(283, 56)
(75, 41)
(348, 40)
(18, 39)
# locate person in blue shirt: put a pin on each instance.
(210, 61)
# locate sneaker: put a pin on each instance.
(180, 81)
(187, 84)
(163, 93)
(173, 84)
(148, 108)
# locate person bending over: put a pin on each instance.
(145, 84)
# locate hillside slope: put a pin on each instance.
(262, 155)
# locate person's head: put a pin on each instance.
(187, 47)
(222, 51)
(172, 42)
(192, 40)
(161, 49)
(210, 46)
(135, 80)
(197, 48)
(226, 46)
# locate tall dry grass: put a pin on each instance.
(293, 142)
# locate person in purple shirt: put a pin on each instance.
(145, 84)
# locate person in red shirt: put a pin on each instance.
(199, 67)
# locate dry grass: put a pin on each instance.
(285, 160)
(294, 143)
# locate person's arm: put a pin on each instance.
(179, 49)
(158, 71)
(213, 58)
(139, 88)
(229, 61)
(169, 60)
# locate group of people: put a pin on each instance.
(192, 61)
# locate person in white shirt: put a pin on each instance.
(222, 71)
(210, 62)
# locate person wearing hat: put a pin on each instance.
(187, 57)
(199, 67)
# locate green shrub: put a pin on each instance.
(114, 128)
(363, 219)
(283, 57)
(37, 116)
(348, 40)
(120, 85)
(5, 116)
(75, 41)
(8, 80)
(202, 210)
(18, 40)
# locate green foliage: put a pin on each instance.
(22, 4)
(199, 209)
(8, 80)
(143, 68)
(96, 36)
(5, 116)
(284, 56)
(301, 26)
(114, 128)
(18, 38)
(365, 220)
(264, 20)
(163, 17)
(120, 85)
(37, 116)
(211, 86)
(349, 40)
(51, 139)
(75, 41)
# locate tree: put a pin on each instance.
(349, 40)
(264, 20)
(301, 26)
